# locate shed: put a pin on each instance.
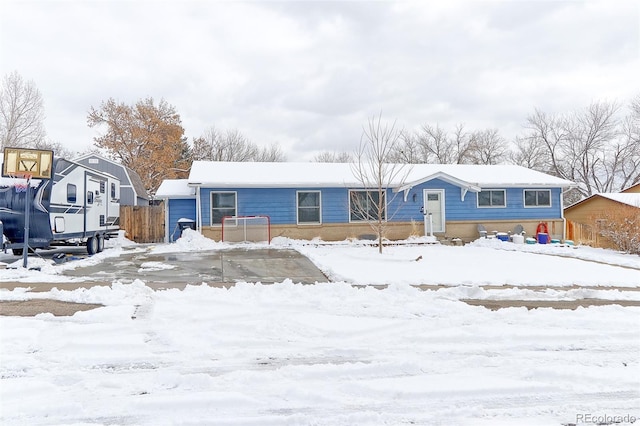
(586, 218)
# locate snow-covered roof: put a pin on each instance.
(175, 188)
(287, 174)
(630, 198)
(635, 188)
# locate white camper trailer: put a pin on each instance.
(76, 205)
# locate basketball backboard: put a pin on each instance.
(36, 163)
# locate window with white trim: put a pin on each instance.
(222, 204)
(363, 205)
(537, 198)
(492, 198)
(308, 205)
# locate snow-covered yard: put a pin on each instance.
(335, 353)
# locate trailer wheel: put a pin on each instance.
(92, 245)
(100, 243)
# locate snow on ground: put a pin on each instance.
(480, 263)
(334, 353)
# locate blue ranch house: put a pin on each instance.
(325, 200)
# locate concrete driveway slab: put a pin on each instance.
(219, 266)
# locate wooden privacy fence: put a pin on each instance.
(580, 232)
(143, 224)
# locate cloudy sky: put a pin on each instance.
(307, 75)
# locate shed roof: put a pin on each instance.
(292, 174)
(633, 188)
(175, 188)
(136, 182)
(629, 198)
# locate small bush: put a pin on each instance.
(621, 226)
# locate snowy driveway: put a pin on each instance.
(267, 265)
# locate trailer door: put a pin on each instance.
(95, 203)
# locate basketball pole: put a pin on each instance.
(25, 247)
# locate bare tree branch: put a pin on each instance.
(232, 145)
(487, 147)
(332, 157)
(21, 113)
(376, 174)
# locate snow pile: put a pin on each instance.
(120, 241)
(189, 241)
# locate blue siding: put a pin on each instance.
(280, 204)
(467, 209)
(399, 210)
(179, 208)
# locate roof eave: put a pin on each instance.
(443, 176)
(276, 185)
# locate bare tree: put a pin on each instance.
(272, 153)
(58, 149)
(461, 145)
(433, 144)
(635, 107)
(409, 149)
(376, 174)
(332, 157)
(630, 146)
(21, 113)
(586, 147)
(529, 154)
(445, 148)
(487, 147)
(232, 145)
(228, 146)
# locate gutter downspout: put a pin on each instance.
(198, 210)
(564, 219)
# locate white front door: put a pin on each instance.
(95, 203)
(433, 210)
